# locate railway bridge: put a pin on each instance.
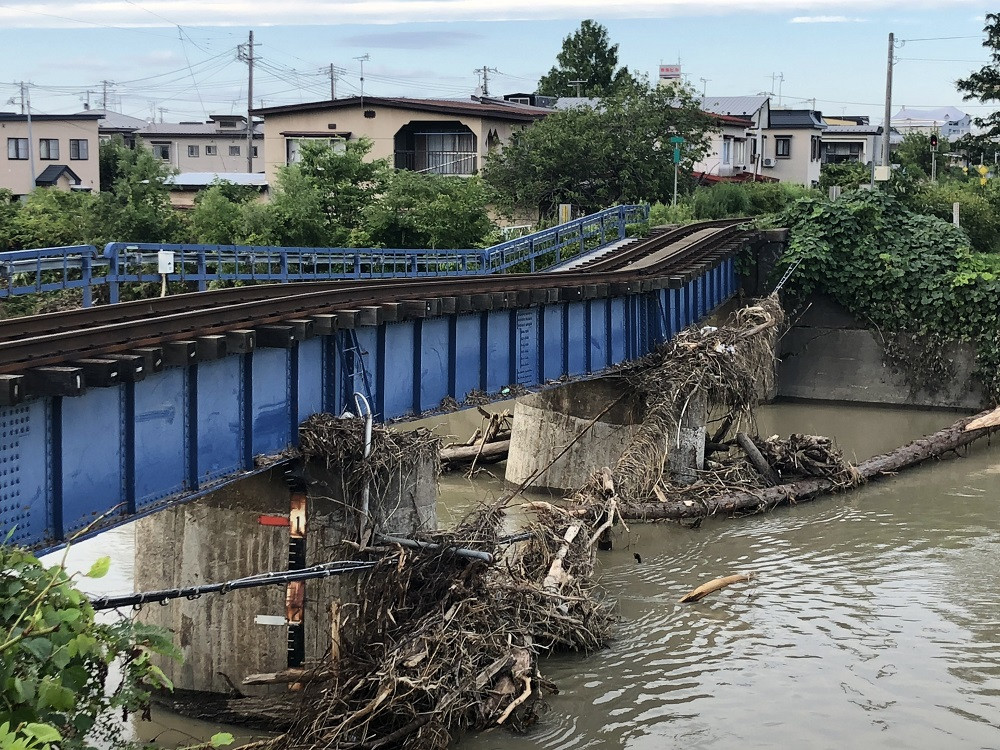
(125, 410)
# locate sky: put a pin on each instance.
(177, 59)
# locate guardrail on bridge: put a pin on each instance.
(83, 267)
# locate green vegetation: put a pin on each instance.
(594, 157)
(56, 686)
(587, 56)
(984, 84)
(901, 270)
(728, 200)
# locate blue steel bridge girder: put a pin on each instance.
(128, 450)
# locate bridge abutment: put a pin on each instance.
(246, 528)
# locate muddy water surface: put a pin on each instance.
(874, 620)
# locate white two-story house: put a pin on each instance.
(792, 148)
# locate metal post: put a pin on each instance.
(250, 104)
(887, 120)
(26, 107)
(674, 201)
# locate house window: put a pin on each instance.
(739, 152)
(79, 149)
(161, 151)
(234, 150)
(294, 145)
(254, 152)
(17, 148)
(814, 152)
(783, 147)
(211, 150)
(48, 149)
(194, 151)
(727, 150)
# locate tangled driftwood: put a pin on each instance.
(437, 643)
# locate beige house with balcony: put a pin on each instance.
(219, 145)
(58, 151)
(439, 136)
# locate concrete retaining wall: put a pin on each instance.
(828, 356)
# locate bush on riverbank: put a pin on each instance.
(901, 271)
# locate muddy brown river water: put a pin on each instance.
(874, 619)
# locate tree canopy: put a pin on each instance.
(984, 84)
(594, 157)
(588, 56)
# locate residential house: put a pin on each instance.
(185, 186)
(948, 122)
(730, 151)
(58, 151)
(792, 150)
(439, 136)
(850, 139)
(219, 145)
(533, 100)
(756, 110)
(115, 123)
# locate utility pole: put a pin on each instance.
(577, 84)
(484, 73)
(887, 120)
(245, 53)
(26, 110)
(363, 59)
(104, 94)
(780, 78)
(334, 73)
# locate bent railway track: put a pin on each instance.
(139, 337)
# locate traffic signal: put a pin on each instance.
(934, 141)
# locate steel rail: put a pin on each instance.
(121, 335)
(65, 320)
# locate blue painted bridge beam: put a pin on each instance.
(115, 453)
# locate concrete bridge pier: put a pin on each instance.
(260, 524)
(546, 423)
(598, 417)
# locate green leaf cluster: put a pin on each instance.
(587, 56)
(899, 270)
(55, 658)
(618, 151)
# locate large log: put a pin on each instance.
(493, 451)
(911, 454)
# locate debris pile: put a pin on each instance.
(441, 642)
(799, 456)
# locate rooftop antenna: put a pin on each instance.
(704, 86)
(577, 84)
(363, 59)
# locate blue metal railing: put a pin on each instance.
(84, 267)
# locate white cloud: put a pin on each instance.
(825, 19)
(153, 13)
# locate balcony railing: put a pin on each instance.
(437, 162)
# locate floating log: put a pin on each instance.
(489, 451)
(714, 585)
(292, 674)
(931, 446)
(990, 419)
(756, 459)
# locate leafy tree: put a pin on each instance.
(135, 205)
(984, 84)
(53, 218)
(848, 175)
(588, 56)
(219, 216)
(914, 152)
(594, 157)
(9, 208)
(426, 210)
(55, 658)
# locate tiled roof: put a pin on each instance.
(115, 120)
(204, 179)
(941, 115)
(53, 172)
(797, 118)
(495, 108)
(205, 129)
(745, 106)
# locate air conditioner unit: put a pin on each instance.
(768, 162)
